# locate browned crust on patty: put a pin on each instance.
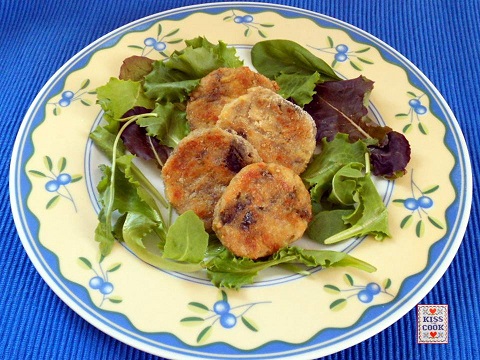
(200, 168)
(281, 131)
(218, 88)
(264, 208)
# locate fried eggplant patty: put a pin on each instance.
(264, 208)
(218, 88)
(200, 168)
(281, 131)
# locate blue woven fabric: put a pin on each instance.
(441, 37)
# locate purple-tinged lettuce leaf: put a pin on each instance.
(135, 68)
(340, 107)
(146, 147)
(138, 142)
(391, 157)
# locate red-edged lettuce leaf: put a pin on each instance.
(135, 68)
(138, 142)
(340, 107)
(390, 159)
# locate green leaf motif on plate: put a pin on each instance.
(419, 204)
(221, 313)
(159, 42)
(58, 181)
(363, 293)
(343, 54)
(67, 97)
(100, 281)
(416, 110)
(250, 25)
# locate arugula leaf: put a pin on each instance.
(187, 239)
(369, 218)
(226, 270)
(344, 184)
(118, 96)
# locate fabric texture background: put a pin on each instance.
(441, 37)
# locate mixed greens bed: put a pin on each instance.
(145, 118)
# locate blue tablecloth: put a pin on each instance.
(441, 37)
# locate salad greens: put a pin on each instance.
(337, 106)
(294, 68)
(345, 201)
(144, 112)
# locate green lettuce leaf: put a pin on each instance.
(169, 127)
(172, 80)
(296, 70)
(346, 201)
(369, 218)
(274, 57)
(298, 87)
(118, 96)
(226, 270)
(164, 84)
(334, 156)
(187, 239)
(121, 192)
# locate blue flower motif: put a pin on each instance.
(418, 204)
(222, 313)
(100, 281)
(67, 97)
(158, 43)
(342, 54)
(58, 180)
(249, 23)
(363, 293)
(415, 110)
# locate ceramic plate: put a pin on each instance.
(54, 173)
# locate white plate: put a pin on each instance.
(282, 315)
